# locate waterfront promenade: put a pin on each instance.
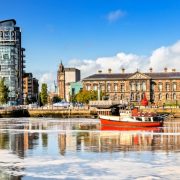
(18, 111)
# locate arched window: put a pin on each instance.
(174, 96)
(167, 96)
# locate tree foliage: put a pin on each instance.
(3, 92)
(85, 96)
(56, 99)
(44, 94)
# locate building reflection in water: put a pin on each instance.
(110, 141)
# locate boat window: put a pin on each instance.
(139, 119)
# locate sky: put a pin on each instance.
(96, 34)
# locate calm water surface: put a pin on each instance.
(41, 148)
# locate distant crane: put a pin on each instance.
(55, 87)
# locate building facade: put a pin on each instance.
(66, 76)
(75, 87)
(30, 88)
(159, 87)
(12, 60)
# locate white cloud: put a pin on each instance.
(166, 57)
(48, 78)
(162, 57)
(115, 15)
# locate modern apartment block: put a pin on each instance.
(65, 76)
(30, 88)
(12, 60)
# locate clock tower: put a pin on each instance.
(61, 81)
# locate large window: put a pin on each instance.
(95, 87)
(174, 96)
(138, 86)
(108, 87)
(174, 86)
(167, 96)
(122, 87)
(88, 87)
(167, 87)
(160, 96)
(144, 86)
(115, 87)
(160, 86)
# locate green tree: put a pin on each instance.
(3, 92)
(44, 94)
(56, 99)
(85, 96)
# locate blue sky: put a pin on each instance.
(81, 30)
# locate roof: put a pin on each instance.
(158, 75)
(8, 20)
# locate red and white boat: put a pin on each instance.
(131, 119)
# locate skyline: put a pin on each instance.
(92, 35)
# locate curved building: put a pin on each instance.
(12, 59)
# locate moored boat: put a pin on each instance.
(131, 119)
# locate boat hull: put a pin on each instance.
(130, 124)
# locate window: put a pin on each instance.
(138, 86)
(144, 86)
(88, 87)
(160, 86)
(95, 87)
(174, 96)
(160, 96)
(115, 87)
(122, 87)
(132, 96)
(122, 96)
(167, 87)
(167, 96)
(108, 87)
(174, 86)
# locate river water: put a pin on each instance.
(39, 148)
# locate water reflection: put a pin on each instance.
(31, 138)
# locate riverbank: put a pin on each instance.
(74, 113)
(40, 112)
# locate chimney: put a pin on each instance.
(109, 70)
(99, 71)
(173, 70)
(123, 70)
(150, 69)
(165, 69)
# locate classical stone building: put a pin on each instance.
(159, 87)
(66, 76)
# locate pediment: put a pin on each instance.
(139, 75)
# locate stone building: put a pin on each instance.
(159, 87)
(66, 76)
